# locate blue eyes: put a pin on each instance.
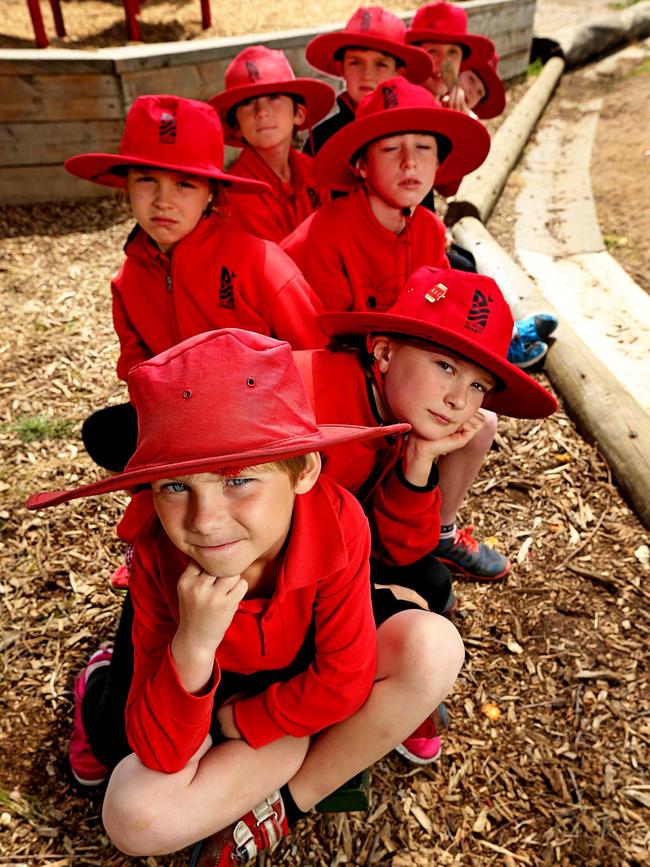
(175, 487)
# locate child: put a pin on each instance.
(358, 251)
(253, 627)
(186, 270)
(484, 92)
(260, 110)
(369, 50)
(440, 29)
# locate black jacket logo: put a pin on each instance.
(227, 289)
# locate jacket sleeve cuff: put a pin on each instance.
(256, 725)
(432, 481)
(187, 707)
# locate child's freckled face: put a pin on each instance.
(229, 525)
(401, 169)
(364, 69)
(433, 390)
(473, 87)
(446, 58)
(268, 121)
(167, 205)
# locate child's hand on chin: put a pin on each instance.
(207, 605)
(450, 443)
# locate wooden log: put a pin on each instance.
(24, 144)
(603, 407)
(479, 192)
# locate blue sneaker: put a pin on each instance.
(537, 327)
(473, 559)
(526, 354)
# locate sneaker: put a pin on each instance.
(240, 842)
(425, 744)
(85, 768)
(120, 579)
(537, 327)
(472, 559)
(526, 354)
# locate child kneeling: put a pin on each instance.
(257, 664)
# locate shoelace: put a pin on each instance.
(464, 537)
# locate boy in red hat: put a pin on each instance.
(186, 269)
(253, 628)
(369, 50)
(261, 108)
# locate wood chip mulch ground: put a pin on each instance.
(546, 760)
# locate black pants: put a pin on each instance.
(427, 576)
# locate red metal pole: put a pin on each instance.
(55, 6)
(132, 29)
(37, 24)
(206, 17)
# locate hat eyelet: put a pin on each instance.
(186, 394)
(250, 382)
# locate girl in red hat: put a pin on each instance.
(369, 50)
(260, 682)
(261, 108)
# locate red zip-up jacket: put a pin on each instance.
(217, 277)
(323, 581)
(276, 213)
(404, 518)
(352, 262)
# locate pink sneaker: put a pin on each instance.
(424, 745)
(240, 842)
(120, 578)
(85, 768)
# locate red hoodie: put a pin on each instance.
(273, 215)
(217, 277)
(352, 262)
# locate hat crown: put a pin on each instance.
(375, 21)
(440, 18)
(395, 92)
(258, 65)
(174, 131)
(470, 305)
(220, 393)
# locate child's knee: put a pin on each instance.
(132, 820)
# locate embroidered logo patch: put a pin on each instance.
(389, 97)
(252, 70)
(436, 293)
(167, 129)
(479, 313)
(314, 198)
(366, 20)
(227, 289)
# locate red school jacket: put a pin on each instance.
(404, 518)
(276, 213)
(217, 277)
(352, 262)
(324, 580)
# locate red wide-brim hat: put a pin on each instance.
(165, 132)
(465, 313)
(222, 400)
(444, 22)
(494, 101)
(398, 107)
(370, 27)
(259, 71)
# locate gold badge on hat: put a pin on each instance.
(437, 293)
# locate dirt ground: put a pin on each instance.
(559, 648)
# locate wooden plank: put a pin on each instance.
(26, 185)
(24, 144)
(60, 61)
(59, 97)
(196, 81)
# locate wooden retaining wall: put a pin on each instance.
(55, 103)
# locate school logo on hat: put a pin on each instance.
(477, 318)
(252, 70)
(390, 97)
(167, 128)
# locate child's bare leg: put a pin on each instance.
(151, 813)
(419, 655)
(459, 469)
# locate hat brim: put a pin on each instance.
(470, 142)
(322, 50)
(494, 102)
(480, 48)
(98, 168)
(329, 436)
(318, 97)
(520, 396)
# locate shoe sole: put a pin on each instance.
(417, 760)
(471, 576)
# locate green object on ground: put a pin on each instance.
(353, 795)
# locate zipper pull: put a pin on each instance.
(168, 280)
